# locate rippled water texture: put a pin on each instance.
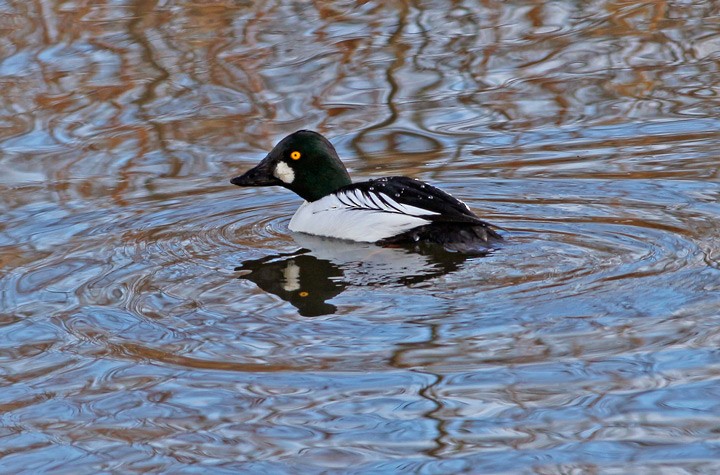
(157, 319)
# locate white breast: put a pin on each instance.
(357, 217)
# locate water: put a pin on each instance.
(156, 318)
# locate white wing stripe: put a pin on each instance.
(342, 201)
(356, 199)
(372, 198)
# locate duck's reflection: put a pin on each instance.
(299, 278)
(323, 268)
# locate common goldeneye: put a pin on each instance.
(392, 210)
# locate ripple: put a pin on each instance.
(587, 343)
(179, 234)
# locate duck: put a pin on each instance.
(388, 211)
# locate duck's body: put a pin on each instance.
(357, 213)
(389, 210)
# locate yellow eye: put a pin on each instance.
(304, 294)
(295, 155)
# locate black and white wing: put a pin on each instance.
(405, 195)
(386, 208)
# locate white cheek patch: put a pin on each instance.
(284, 173)
(291, 277)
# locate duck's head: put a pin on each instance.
(304, 162)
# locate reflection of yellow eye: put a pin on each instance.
(295, 155)
(303, 294)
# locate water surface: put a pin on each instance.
(155, 318)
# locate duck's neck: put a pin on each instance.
(321, 184)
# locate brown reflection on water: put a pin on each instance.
(152, 316)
